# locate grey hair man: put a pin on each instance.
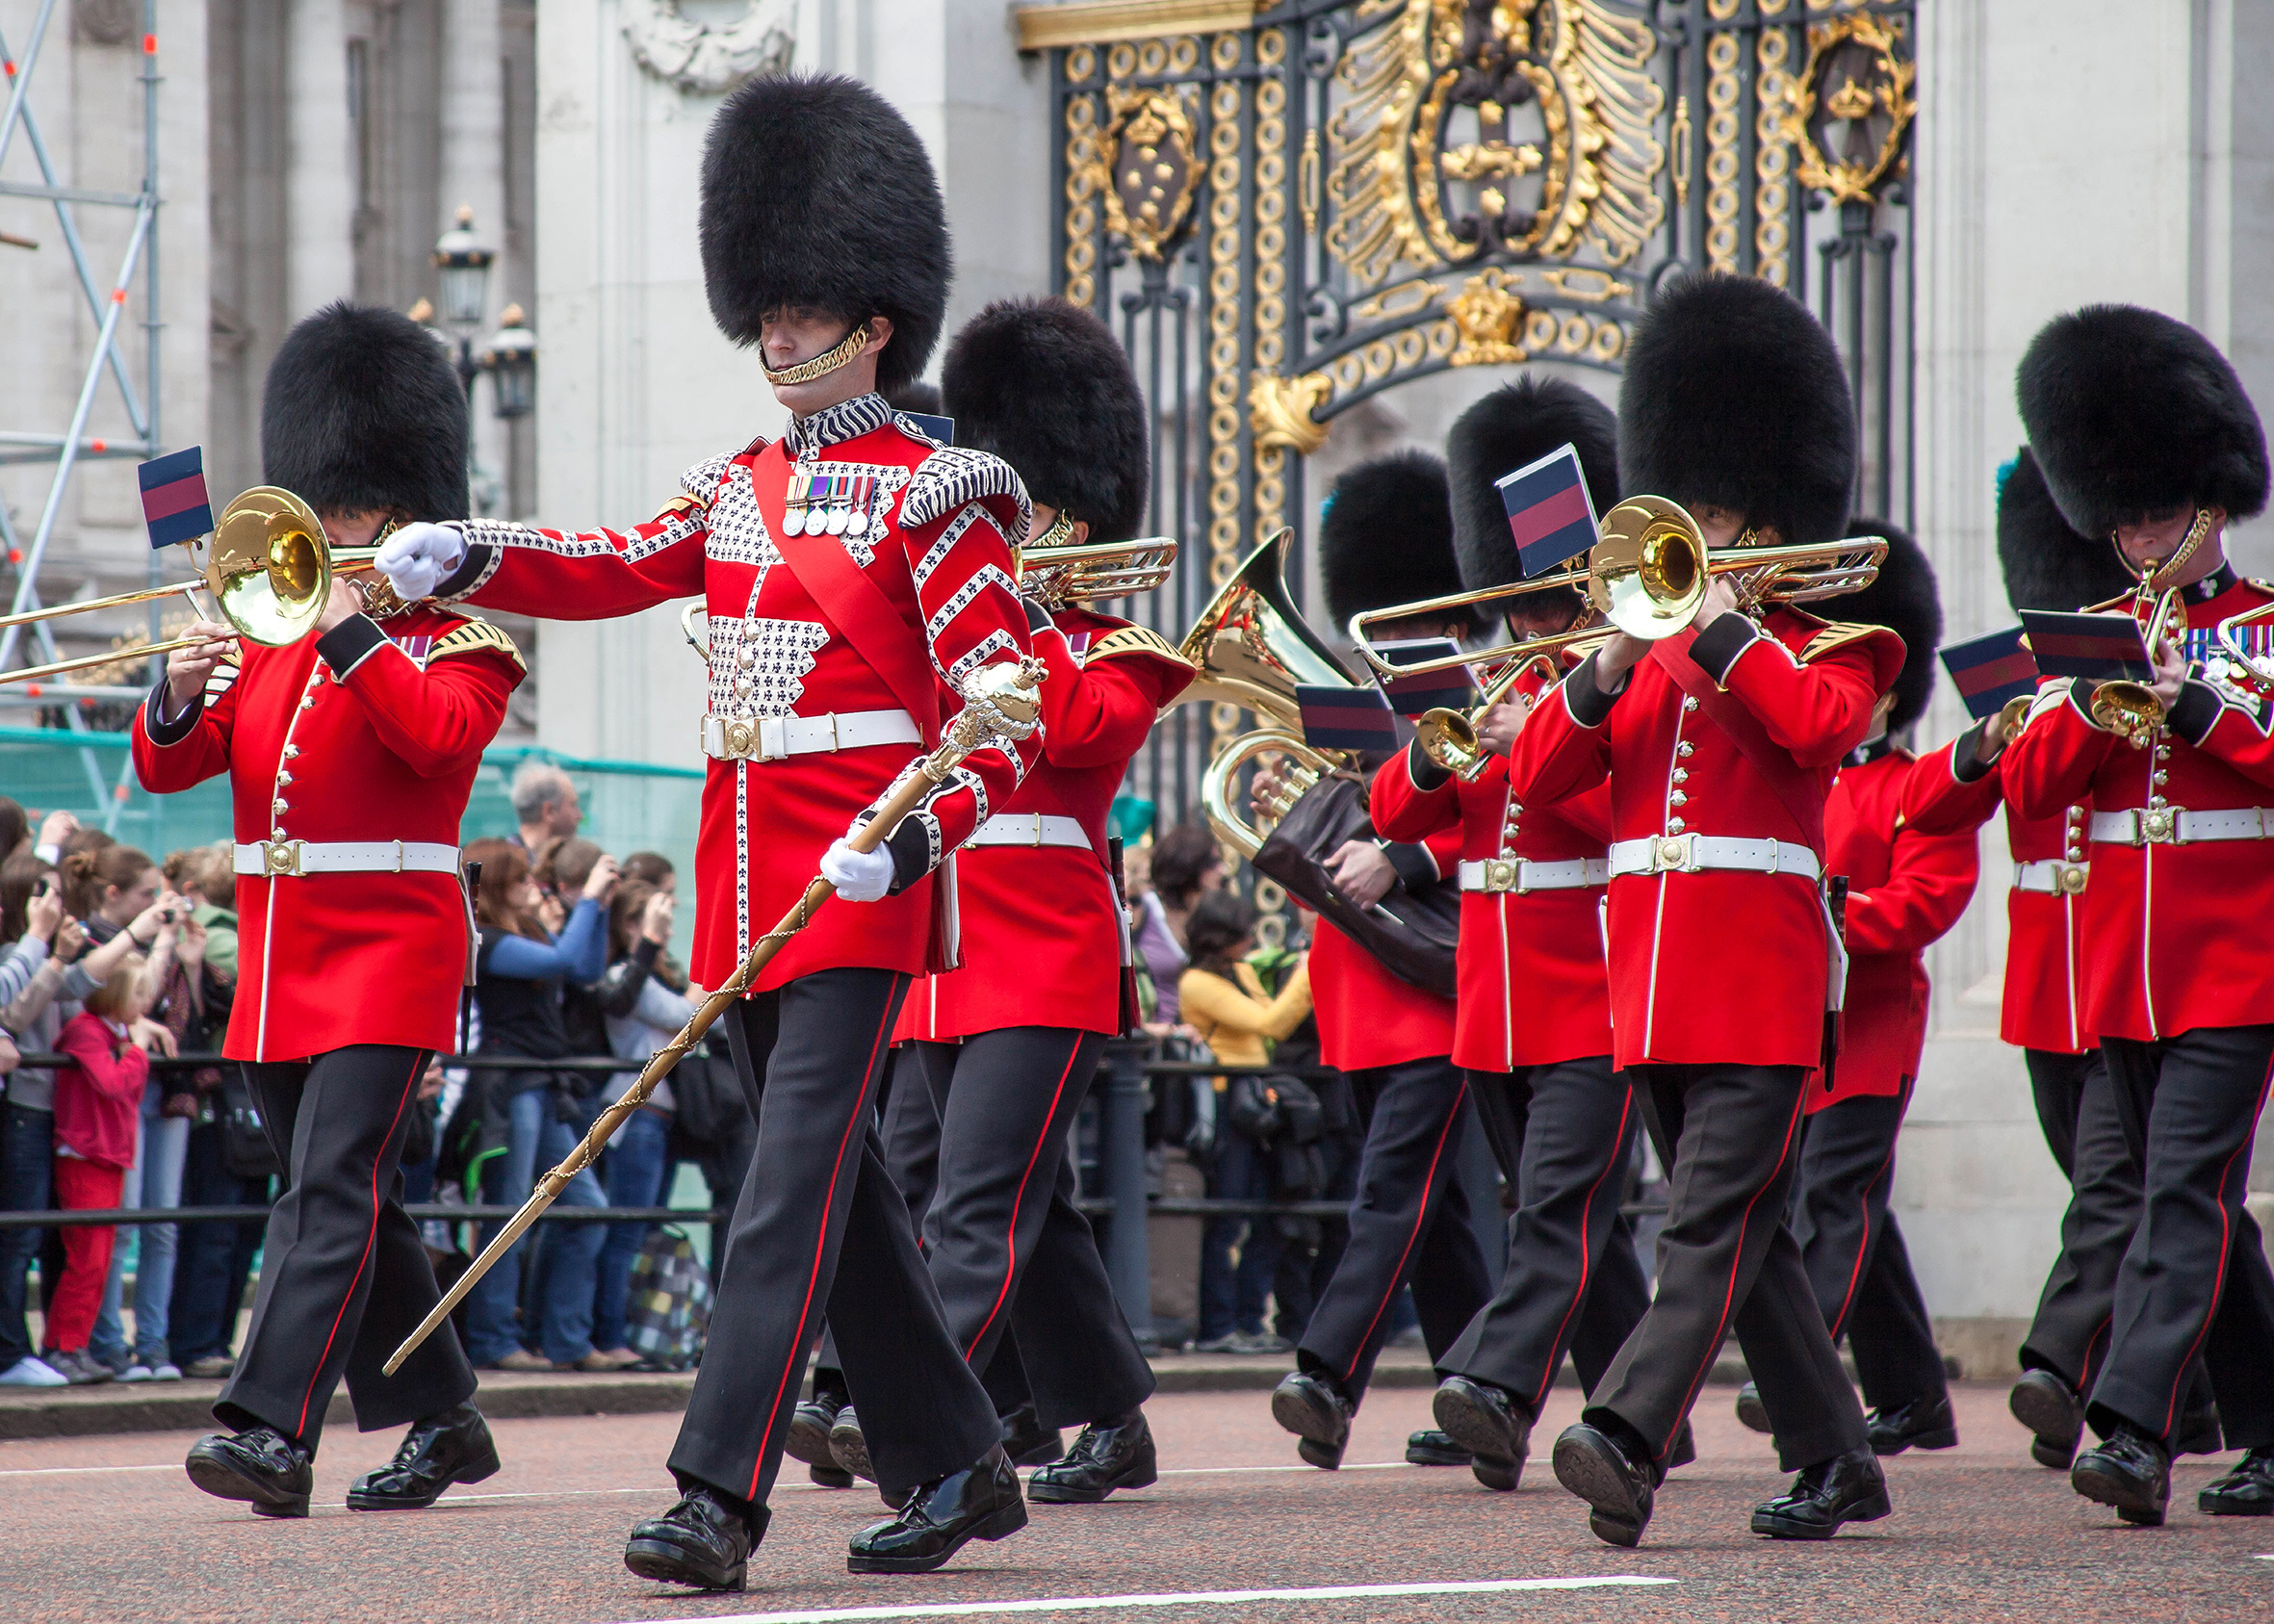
(544, 803)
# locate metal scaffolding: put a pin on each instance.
(106, 302)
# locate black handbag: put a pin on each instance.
(245, 1150)
(1411, 934)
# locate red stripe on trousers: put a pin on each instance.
(1011, 1241)
(1586, 1257)
(1429, 1181)
(2226, 1244)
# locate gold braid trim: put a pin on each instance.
(1133, 642)
(475, 637)
(1838, 635)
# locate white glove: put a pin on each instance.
(858, 876)
(418, 557)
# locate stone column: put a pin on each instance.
(473, 173)
(319, 161)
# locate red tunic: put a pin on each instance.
(1533, 986)
(937, 556)
(1042, 937)
(2180, 934)
(387, 752)
(1367, 1017)
(1907, 887)
(1718, 965)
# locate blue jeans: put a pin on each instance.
(154, 1182)
(27, 1160)
(1232, 1296)
(213, 1258)
(638, 1167)
(561, 1297)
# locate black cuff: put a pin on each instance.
(181, 727)
(469, 570)
(1426, 774)
(2195, 713)
(1591, 706)
(1966, 764)
(1417, 870)
(910, 846)
(1716, 649)
(350, 643)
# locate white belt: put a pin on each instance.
(277, 858)
(771, 738)
(1029, 829)
(1691, 853)
(2050, 876)
(2173, 826)
(1521, 874)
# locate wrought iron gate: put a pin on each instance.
(1289, 208)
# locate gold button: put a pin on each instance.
(1675, 824)
(1689, 704)
(283, 778)
(1679, 799)
(1681, 775)
(1686, 748)
(291, 751)
(281, 805)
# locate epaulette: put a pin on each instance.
(474, 636)
(1133, 641)
(677, 505)
(955, 476)
(701, 480)
(1838, 635)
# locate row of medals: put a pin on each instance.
(828, 503)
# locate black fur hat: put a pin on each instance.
(1387, 536)
(2047, 564)
(2132, 413)
(917, 397)
(816, 191)
(1511, 428)
(363, 410)
(1044, 385)
(1903, 598)
(1735, 397)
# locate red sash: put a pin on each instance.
(1801, 790)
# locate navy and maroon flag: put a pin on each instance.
(1346, 718)
(2098, 647)
(1549, 511)
(1990, 671)
(174, 503)
(1410, 696)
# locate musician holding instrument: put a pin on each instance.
(1718, 738)
(2145, 435)
(857, 579)
(350, 753)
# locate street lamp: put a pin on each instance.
(511, 362)
(464, 262)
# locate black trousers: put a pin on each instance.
(1563, 1134)
(2194, 1280)
(821, 1228)
(2077, 1111)
(1729, 1138)
(343, 1273)
(1408, 1223)
(1853, 1249)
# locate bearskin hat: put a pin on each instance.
(1044, 385)
(1735, 397)
(1903, 598)
(2047, 564)
(1387, 536)
(1512, 427)
(2132, 413)
(918, 396)
(363, 410)
(816, 191)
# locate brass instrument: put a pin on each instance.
(1055, 576)
(2127, 709)
(2013, 715)
(268, 566)
(687, 628)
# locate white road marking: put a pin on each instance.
(76, 1471)
(779, 1488)
(1181, 1598)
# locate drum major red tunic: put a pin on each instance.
(1367, 1017)
(383, 747)
(1042, 938)
(1720, 964)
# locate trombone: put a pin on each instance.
(268, 566)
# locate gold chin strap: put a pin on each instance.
(852, 347)
(1060, 532)
(2158, 577)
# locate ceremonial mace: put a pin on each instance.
(1011, 711)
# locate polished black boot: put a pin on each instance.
(2051, 1409)
(1109, 1454)
(1490, 1425)
(1617, 1486)
(1751, 1411)
(704, 1541)
(1923, 1423)
(807, 1438)
(980, 1502)
(1433, 1447)
(1029, 1442)
(259, 1464)
(848, 1448)
(453, 1447)
(1848, 1488)
(2247, 1491)
(1315, 1409)
(2131, 1472)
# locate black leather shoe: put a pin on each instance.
(1923, 1423)
(1432, 1447)
(1848, 1488)
(1489, 1422)
(1685, 1449)
(829, 1476)
(2197, 1432)
(1751, 1411)
(980, 1502)
(1617, 1488)
(2131, 1472)
(2049, 1407)
(704, 1541)
(2247, 1491)
(1029, 1442)
(848, 1448)
(1318, 1415)
(807, 1438)
(453, 1447)
(261, 1465)
(1109, 1454)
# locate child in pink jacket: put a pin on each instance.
(98, 1100)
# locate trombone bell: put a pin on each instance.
(1648, 574)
